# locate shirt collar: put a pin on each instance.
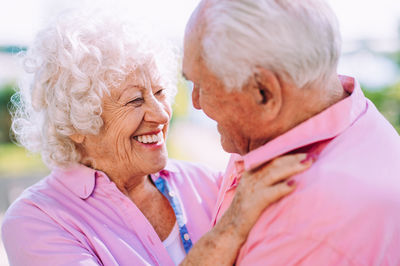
(171, 167)
(325, 125)
(78, 178)
(81, 179)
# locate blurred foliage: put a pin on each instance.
(387, 100)
(181, 103)
(6, 91)
(15, 161)
(180, 109)
(395, 57)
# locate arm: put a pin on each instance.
(31, 238)
(257, 190)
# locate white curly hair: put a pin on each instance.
(299, 40)
(74, 62)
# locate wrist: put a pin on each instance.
(234, 224)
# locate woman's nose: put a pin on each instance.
(157, 112)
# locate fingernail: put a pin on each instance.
(310, 157)
(291, 183)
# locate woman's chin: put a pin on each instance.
(161, 165)
(150, 158)
(158, 163)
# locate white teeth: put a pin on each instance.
(155, 138)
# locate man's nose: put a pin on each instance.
(196, 97)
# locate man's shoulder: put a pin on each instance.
(350, 188)
(335, 207)
(370, 131)
(348, 215)
(361, 163)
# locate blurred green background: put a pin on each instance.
(16, 162)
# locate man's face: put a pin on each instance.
(232, 111)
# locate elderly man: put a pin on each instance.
(265, 71)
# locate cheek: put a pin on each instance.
(167, 107)
(168, 110)
(127, 122)
(121, 127)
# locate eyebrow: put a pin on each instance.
(130, 87)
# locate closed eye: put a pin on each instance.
(136, 102)
(159, 92)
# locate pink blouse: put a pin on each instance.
(79, 217)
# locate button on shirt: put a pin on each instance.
(78, 216)
(163, 186)
(346, 207)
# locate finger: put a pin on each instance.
(282, 168)
(287, 166)
(280, 190)
(276, 162)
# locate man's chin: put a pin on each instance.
(228, 146)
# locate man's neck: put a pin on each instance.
(302, 104)
(317, 98)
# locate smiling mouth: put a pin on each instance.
(153, 138)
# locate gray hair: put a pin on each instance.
(74, 62)
(298, 40)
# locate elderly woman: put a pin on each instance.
(98, 111)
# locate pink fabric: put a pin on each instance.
(346, 208)
(79, 217)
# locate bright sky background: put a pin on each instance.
(21, 19)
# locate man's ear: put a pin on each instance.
(77, 138)
(267, 91)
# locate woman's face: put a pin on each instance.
(132, 140)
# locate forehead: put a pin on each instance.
(139, 79)
(192, 62)
(192, 40)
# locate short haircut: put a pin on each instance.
(298, 40)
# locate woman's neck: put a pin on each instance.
(150, 201)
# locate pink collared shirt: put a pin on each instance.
(79, 217)
(346, 207)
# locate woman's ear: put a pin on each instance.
(77, 138)
(267, 92)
